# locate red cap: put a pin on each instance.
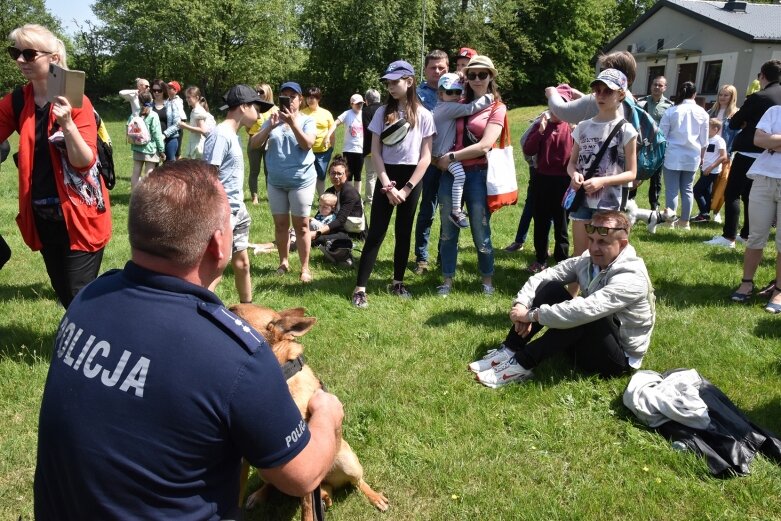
(175, 85)
(466, 52)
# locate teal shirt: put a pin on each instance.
(654, 108)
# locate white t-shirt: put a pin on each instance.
(353, 131)
(712, 152)
(768, 163)
(195, 143)
(406, 152)
(589, 136)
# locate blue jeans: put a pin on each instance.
(676, 181)
(702, 192)
(321, 163)
(426, 211)
(475, 194)
(171, 145)
(528, 210)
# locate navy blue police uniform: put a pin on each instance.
(154, 393)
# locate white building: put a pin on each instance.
(708, 43)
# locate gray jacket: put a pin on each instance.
(622, 290)
(445, 115)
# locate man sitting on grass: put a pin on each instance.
(606, 329)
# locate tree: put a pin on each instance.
(16, 13)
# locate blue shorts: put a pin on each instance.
(584, 213)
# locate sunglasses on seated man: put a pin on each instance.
(601, 230)
(29, 55)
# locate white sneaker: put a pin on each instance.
(493, 358)
(717, 218)
(719, 240)
(504, 373)
(741, 240)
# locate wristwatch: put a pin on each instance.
(451, 157)
(410, 185)
(533, 314)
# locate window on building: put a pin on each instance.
(711, 77)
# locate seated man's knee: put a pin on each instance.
(551, 292)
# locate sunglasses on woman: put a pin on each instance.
(601, 230)
(157, 90)
(474, 75)
(29, 55)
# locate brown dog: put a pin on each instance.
(280, 331)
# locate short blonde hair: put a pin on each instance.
(38, 37)
(329, 199)
(715, 123)
(265, 92)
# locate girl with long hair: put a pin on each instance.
(201, 122)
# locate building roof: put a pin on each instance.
(758, 23)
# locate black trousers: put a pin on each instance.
(5, 252)
(738, 187)
(380, 219)
(69, 270)
(354, 164)
(593, 346)
(549, 190)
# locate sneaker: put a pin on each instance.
(421, 267)
(719, 240)
(488, 290)
(514, 246)
(701, 218)
(653, 221)
(504, 373)
(686, 227)
(741, 240)
(458, 218)
(444, 290)
(717, 218)
(399, 289)
(359, 300)
(536, 267)
(491, 359)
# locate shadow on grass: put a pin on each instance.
(25, 345)
(277, 505)
(34, 291)
(767, 416)
(677, 295)
(122, 198)
(769, 327)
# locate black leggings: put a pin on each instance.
(738, 187)
(549, 191)
(354, 164)
(594, 346)
(379, 221)
(5, 252)
(69, 270)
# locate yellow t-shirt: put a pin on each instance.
(323, 121)
(262, 119)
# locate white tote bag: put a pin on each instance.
(501, 183)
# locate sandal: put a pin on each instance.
(283, 268)
(306, 276)
(743, 297)
(772, 307)
(767, 291)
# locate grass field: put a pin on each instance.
(439, 445)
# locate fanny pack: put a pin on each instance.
(395, 132)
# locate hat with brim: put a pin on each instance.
(291, 85)
(395, 132)
(397, 70)
(466, 52)
(356, 98)
(450, 81)
(175, 85)
(244, 94)
(612, 78)
(480, 62)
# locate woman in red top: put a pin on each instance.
(63, 206)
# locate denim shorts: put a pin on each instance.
(584, 213)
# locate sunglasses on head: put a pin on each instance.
(29, 55)
(452, 92)
(601, 230)
(475, 75)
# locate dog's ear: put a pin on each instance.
(295, 325)
(292, 312)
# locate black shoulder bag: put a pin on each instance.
(592, 170)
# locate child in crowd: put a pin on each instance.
(715, 156)
(201, 122)
(550, 141)
(446, 112)
(326, 213)
(147, 156)
(618, 166)
(352, 148)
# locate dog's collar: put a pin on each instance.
(292, 367)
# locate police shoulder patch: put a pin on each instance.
(245, 334)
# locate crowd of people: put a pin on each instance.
(425, 147)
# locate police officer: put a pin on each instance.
(156, 391)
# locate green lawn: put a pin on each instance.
(439, 445)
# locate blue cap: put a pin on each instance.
(613, 78)
(398, 69)
(450, 81)
(292, 86)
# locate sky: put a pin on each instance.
(68, 10)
